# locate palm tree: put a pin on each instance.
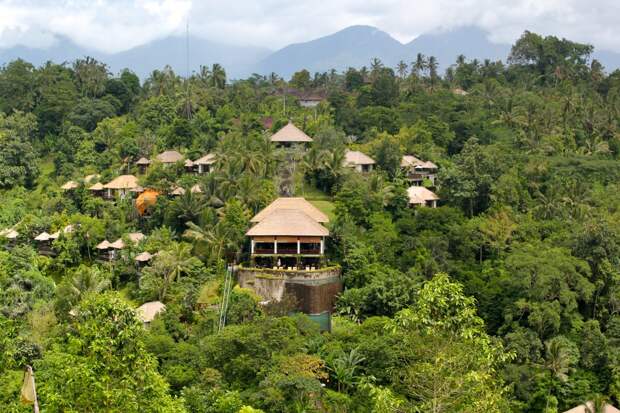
(596, 405)
(86, 280)
(420, 64)
(433, 65)
(401, 69)
(344, 367)
(558, 361)
(173, 262)
(215, 236)
(189, 206)
(218, 76)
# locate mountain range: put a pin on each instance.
(353, 46)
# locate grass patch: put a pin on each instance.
(326, 207)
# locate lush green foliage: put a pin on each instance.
(504, 298)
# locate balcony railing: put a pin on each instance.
(288, 251)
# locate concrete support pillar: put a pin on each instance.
(298, 246)
(252, 245)
(322, 245)
(275, 246)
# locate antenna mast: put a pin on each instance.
(188, 103)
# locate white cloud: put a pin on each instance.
(107, 26)
(114, 25)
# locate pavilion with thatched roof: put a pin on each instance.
(421, 196)
(287, 258)
(358, 161)
(417, 170)
(290, 135)
(169, 157)
(204, 164)
(120, 186)
(288, 232)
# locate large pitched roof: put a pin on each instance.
(290, 133)
(291, 203)
(143, 161)
(420, 195)
(169, 157)
(608, 408)
(288, 222)
(122, 182)
(357, 158)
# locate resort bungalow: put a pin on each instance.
(120, 186)
(290, 135)
(420, 196)
(310, 101)
(358, 161)
(287, 258)
(417, 170)
(205, 164)
(44, 243)
(97, 189)
(143, 258)
(143, 164)
(10, 235)
(169, 157)
(287, 239)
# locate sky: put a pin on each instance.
(115, 25)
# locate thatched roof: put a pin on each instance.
(195, 189)
(143, 257)
(170, 157)
(122, 182)
(118, 244)
(352, 158)
(147, 311)
(97, 187)
(292, 203)
(290, 133)
(420, 195)
(178, 191)
(288, 222)
(91, 178)
(70, 185)
(143, 161)
(138, 189)
(135, 237)
(103, 245)
(189, 163)
(607, 408)
(9, 233)
(409, 161)
(44, 236)
(208, 159)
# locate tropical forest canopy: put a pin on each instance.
(505, 298)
